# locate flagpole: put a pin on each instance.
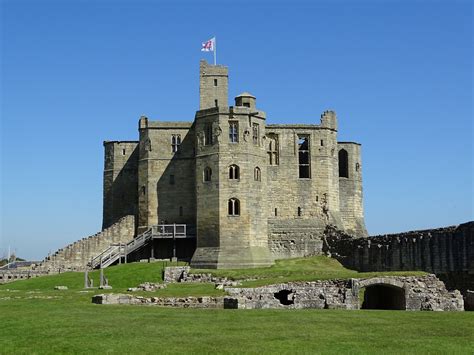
(215, 51)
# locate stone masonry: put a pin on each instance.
(76, 256)
(425, 293)
(248, 191)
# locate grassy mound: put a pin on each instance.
(129, 275)
(300, 269)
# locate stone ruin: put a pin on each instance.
(415, 293)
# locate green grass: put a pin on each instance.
(300, 269)
(34, 318)
(71, 324)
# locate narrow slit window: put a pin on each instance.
(143, 190)
(343, 163)
(299, 211)
(304, 157)
(175, 142)
(123, 151)
(276, 212)
(207, 174)
(257, 174)
(234, 207)
(216, 103)
(215, 82)
(233, 132)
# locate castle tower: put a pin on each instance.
(350, 188)
(213, 85)
(230, 189)
(120, 180)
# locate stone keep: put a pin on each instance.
(249, 191)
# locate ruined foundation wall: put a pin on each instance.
(446, 252)
(75, 256)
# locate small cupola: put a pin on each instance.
(247, 100)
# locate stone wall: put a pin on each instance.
(425, 293)
(120, 181)
(75, 256)
(446, 252)
(416, 293)
(14, 275)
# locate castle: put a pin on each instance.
(248, 192)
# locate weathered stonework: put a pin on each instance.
(446, 252)
(248, 191)
(181, 274)
(175, 302)
(76, 256)
(425, 293)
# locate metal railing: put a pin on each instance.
(117, 251)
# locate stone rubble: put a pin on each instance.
(147, 286)
(424, 293)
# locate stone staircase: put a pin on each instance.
(77, 256)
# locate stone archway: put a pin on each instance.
(384, 296)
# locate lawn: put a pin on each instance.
(35, 318)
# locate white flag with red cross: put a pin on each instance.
(209, 46)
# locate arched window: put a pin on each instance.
(234, 207)
(257, 174)
(343, 164)
(207, 174)
(234, 172)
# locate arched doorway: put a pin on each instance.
(383, 296)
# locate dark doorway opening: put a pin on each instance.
(384, 297)
(286, 297)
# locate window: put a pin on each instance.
(303, 157)
(255, 133)
(208, 134)
(143, 190)
(123, 151)
(299, 211)
(246, 104)
(322, 143)
(343, 163)
(207, 174)
(357, 166)
(175, 142)
(216, 103)
(257, 175)
(273, 149)
(234, 172)
(215, 82)
(234, 207)
(171, 179)
(276, 212)
(233, 131)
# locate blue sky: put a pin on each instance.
(75, 73)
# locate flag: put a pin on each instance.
(209, 46)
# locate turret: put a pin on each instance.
(246, 100)
(213, 85)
